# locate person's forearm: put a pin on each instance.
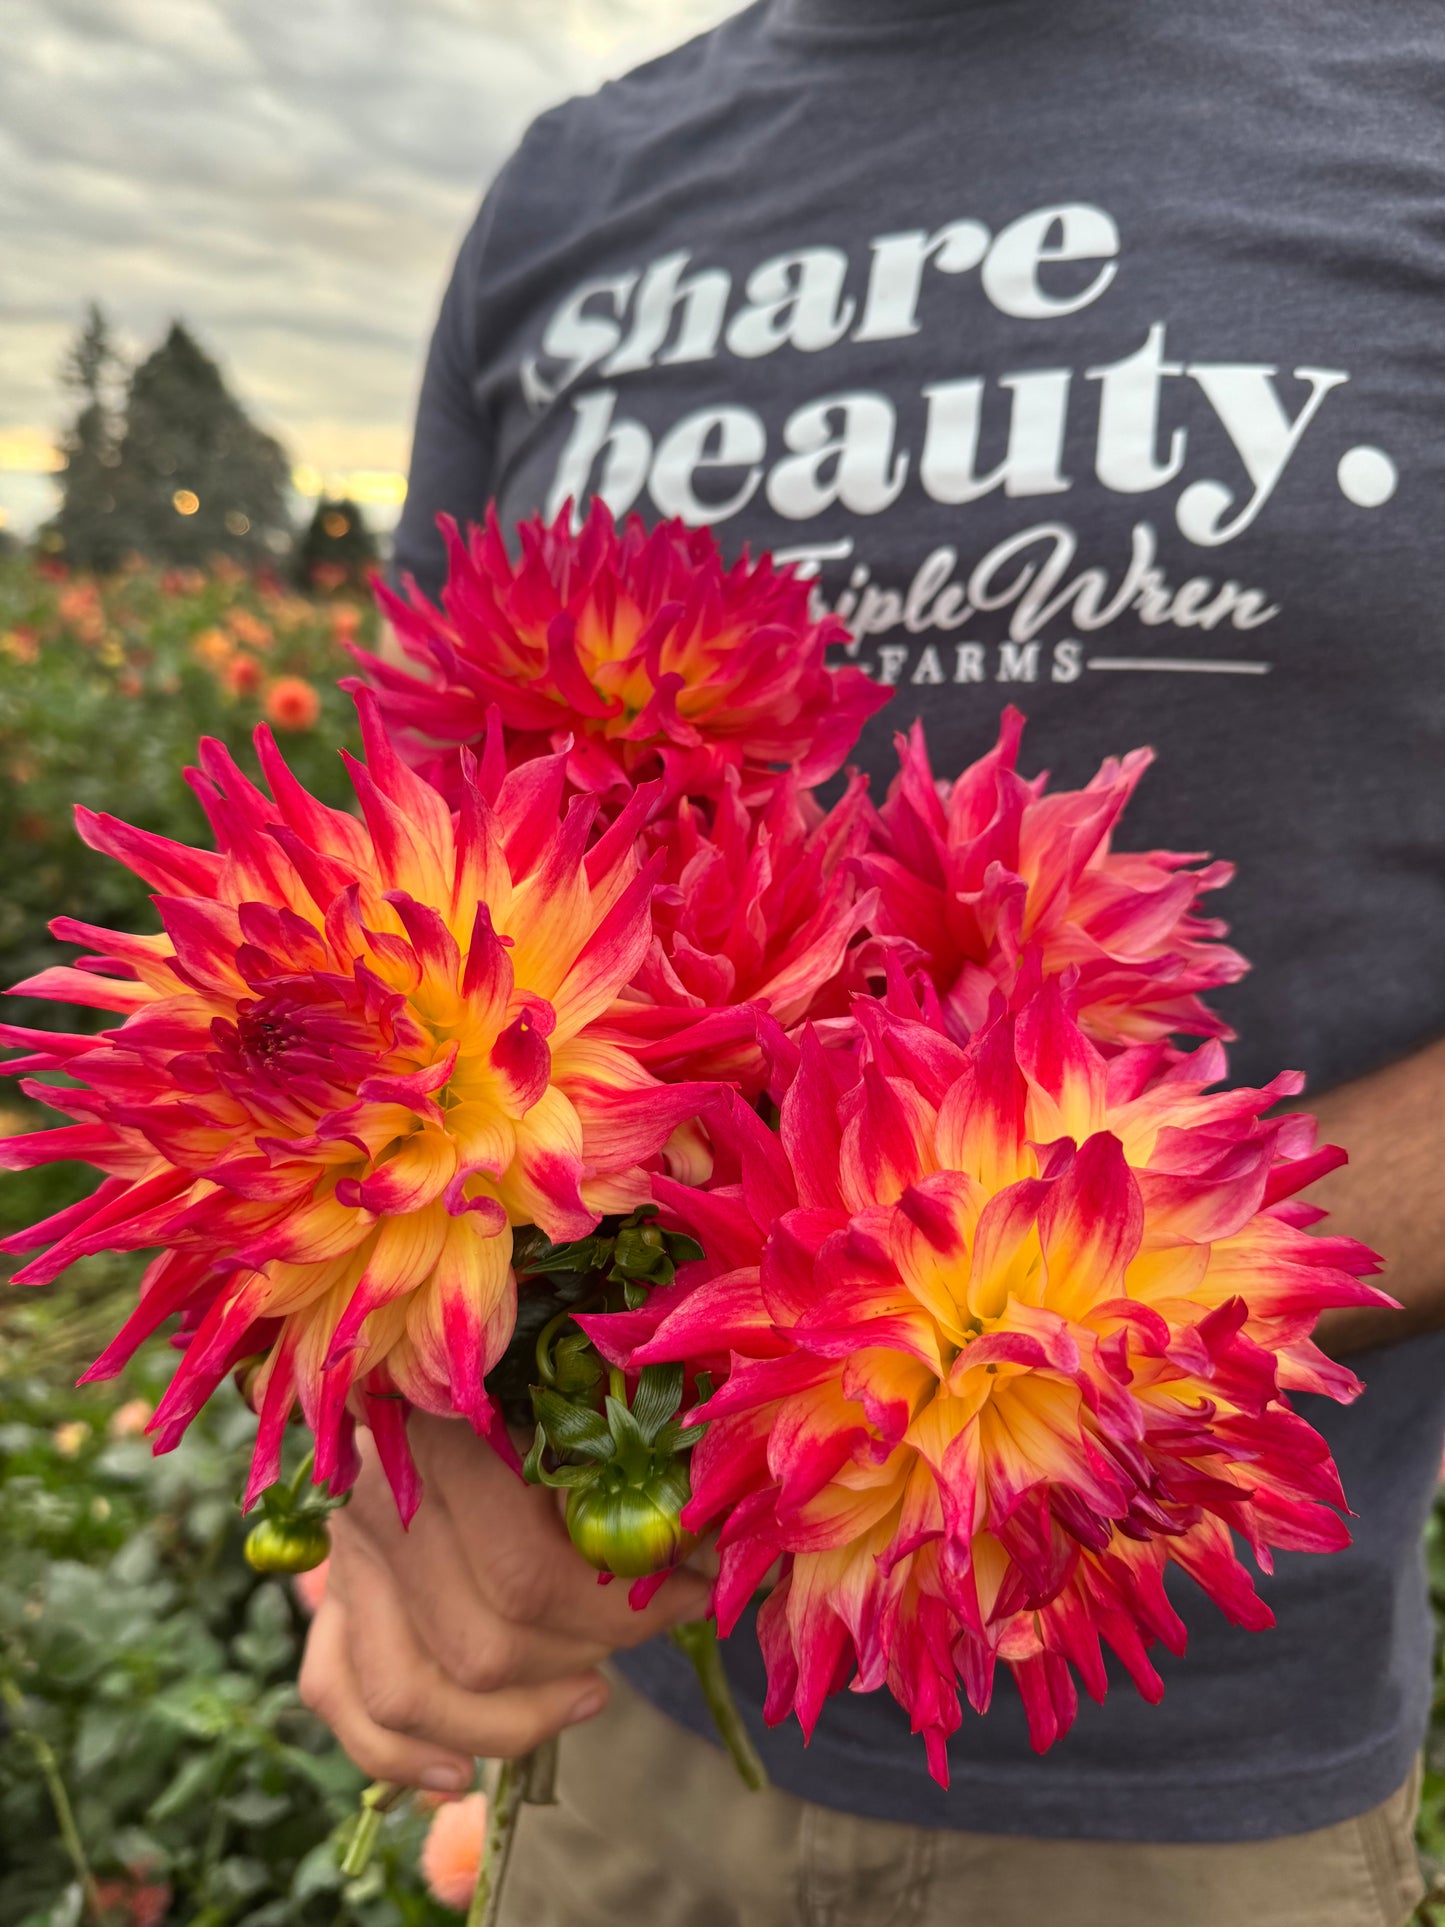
(1391, 1194)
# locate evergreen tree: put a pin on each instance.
(86, 525)
(337, 548)
(196, 477)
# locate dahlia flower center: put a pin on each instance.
(298, 1039)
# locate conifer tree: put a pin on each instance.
(85, 526)
(196, 477)
(338, 548)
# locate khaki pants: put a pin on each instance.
(654, 1829)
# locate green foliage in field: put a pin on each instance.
(139, 1648)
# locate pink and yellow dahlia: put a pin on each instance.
(358, 1053)
(980, 872)
(1008, 1330)
(754, 913)
(637, 648)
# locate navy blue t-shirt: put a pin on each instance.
(1093, 356)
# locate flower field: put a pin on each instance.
(143, 1665)
(155, 1765)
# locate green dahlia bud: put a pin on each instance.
(287, 1545)
(631, 1529)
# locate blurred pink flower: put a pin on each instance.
(135, 1903)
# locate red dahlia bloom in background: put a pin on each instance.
(755, 910)
(359, 1053)
(1011, 1329)
(640, 646)
(977, 872)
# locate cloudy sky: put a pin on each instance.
(290, 176)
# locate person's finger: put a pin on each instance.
(520, 1558)
(328, 1688)
(471, 1643)
(404, 1691)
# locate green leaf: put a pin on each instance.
(251, 1807)
(532, 1464)
(99, 1737)
(197, 1781)
(544, 1259)
(658, 1395)
(240, 1875)
(568, 1477)
(623, 1426)
(570, 1428)
(69, 1910)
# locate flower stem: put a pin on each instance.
(698, 1639)
(541, 1766)
(50, 1772)
(506, 1804)
(378, 1799)
(299, 1477)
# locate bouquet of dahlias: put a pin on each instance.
(831, 1179)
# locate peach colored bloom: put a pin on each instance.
(451, 1854)
(78, 602)
(292, 703)
(250, 630)
(130, 1420)
(69, 1439)
(128, 683)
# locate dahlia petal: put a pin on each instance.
(1091, 1223)
(165, 865)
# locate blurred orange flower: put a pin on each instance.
(77, 602)
(129, 683)
(20, 644)
(214, 648)
(451, 1854)
(292, 703)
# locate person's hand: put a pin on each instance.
(475, 1634)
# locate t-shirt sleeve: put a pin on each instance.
(453, 461)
